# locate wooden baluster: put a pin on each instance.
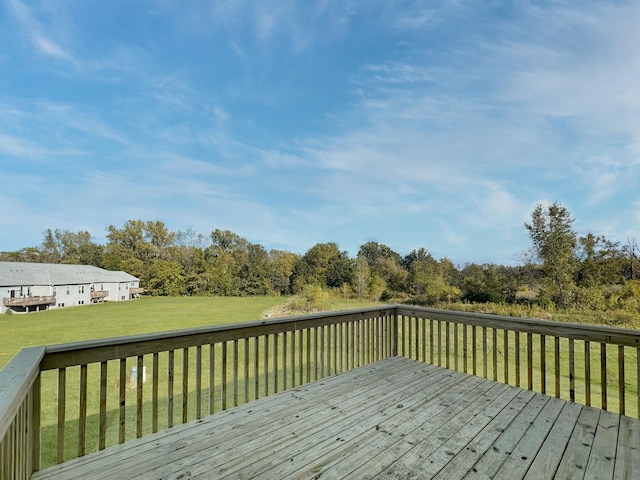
(439, 340)
(322, 352)
(474, 350)
(308, 379)
(484, 352)
(603, 375)
(223, 377)
(301, 353)
(357, 340)
(62, 405)
(621, 379)
(529, 360)
(543, 363)
(587, 372)
(410, 336)
(82, 411)
(199, 382)
(235, 372)
(123, 393)
(293, 359)
(495, 353)
(275, 362)
(170, 375)
(185, 383)
(431, 353)
(102, 429)
(256, 368)
(335, 328)
(139, 403)
(465, 349)
(36, 405)
(315, 353)
(506, 355)
(246, 370)
(455, 346)
(517, 356)
(154, 392)
(556, 355)
(212, 378)
(266, 365)
(342, 343)
(424, 340)
(572, 371)
(447, 345)
(372, 341)
(328, 344)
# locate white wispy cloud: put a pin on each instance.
(37, 33)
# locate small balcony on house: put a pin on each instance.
(136, 291)
(99, 295)
(28, 301)
(387, 392)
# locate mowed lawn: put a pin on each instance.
(115, 319)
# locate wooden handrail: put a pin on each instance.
(100, 396)
(576, 362)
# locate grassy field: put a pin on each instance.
(149, 314)
(153, 314)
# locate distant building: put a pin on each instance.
(30, 287)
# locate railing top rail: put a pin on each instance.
(16, 379)
(577, 331)
(90, 351)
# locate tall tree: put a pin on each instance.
(324, 265)
(554, 242)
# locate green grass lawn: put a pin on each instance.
(146, 315)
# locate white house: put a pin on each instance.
(29, 287)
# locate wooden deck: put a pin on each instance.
(396, 418)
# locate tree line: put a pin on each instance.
(561, 268)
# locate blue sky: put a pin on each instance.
(410, 123)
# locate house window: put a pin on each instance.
(68, 291)
(55, 291)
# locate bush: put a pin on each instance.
(312, 298)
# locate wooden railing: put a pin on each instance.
(28, 301)
(99, 294)
(63, 401)
(589, 364)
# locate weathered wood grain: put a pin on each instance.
(395, 418)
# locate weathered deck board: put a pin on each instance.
(396, 418)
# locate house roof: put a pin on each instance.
(22, 273)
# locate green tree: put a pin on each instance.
(165, 278)
(554, 243)
(387, 264)
(361, 277)
(323, 264)
(427, 278)
(281, 264)
(601, 262)
(135, 247)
